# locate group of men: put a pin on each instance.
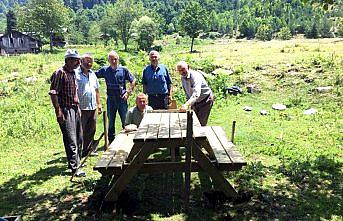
(74, 93)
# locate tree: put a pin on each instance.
(126, 11)
(193, 20)
(145, 29)
(43, 18)
(11, 21)
(264, 32)
(94, 33)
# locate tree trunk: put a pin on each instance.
(192, 44)
(51, 41)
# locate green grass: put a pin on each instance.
(295, 161)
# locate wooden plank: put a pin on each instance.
(188, 169)
(218, 150)
(154, 124)
(213, 172)
(164, 131)
(129, 172)
(143, 128)
(117, 152)
(228, 146)
(174, 125)
(183, 124)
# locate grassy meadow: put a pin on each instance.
(295, 161)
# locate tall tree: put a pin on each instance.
(126, 12)
(145, 29)
(43, 17)
(11, 21)
(193, 20)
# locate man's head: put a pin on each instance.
(182, 67)
(72, 58)
(154, 57)
(87, 61)
(113, 59)
(141, 101)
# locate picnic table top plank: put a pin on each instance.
(163, 132)
(175, 127)
(228, 146)
(154, 124)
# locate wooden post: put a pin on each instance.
(105, 130)
(188, 169)
(233, 131)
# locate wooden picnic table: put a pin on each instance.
(211, 151)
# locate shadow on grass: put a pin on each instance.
(17, 197)
(311, 190)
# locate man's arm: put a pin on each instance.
(58, 110)
(98, 103)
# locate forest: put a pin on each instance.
(143, 21)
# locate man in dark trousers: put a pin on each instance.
(63, 94)
(199, 94)
(157, 83)
(89, 96)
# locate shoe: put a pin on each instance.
(80, 173)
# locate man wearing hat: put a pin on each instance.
(63, 94)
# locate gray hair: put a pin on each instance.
(114, 53)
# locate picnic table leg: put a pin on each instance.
(189, 143)
(129, 172)
(214, 173)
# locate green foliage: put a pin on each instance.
(312, 30)
(129, 11)
(284, 33)
(264, 32)
(145, 29)
(11, 21)
(193, 20)
(248, 28)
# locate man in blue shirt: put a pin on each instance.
(116, 76)
(88, 92)
(157, 83)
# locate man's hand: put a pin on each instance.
(59, 115)
(99, 109)
(126, 96)
(183, 108)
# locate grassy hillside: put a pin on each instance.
(295, 161)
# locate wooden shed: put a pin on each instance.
(17, 43)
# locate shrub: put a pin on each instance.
(264, 32)
(284, 33)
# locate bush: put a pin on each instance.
(264, 32)
(284, 33)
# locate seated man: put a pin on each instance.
(135, 115)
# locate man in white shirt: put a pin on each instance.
(88, 92)
(199, 96)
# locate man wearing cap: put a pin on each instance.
(157, 82)
(88, 93)
(199, 94)
(116, 77)
(63, 94)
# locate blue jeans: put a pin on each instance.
(114, 104)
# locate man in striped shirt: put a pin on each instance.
(88, 92)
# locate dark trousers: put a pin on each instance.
(158, 101)
(114, 104)
(72, 135)
(203, 108)
(88, 121)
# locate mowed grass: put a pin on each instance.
(295, 161)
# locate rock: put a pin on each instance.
(247, 108)
(253, 88)
(323, 89)
(222, 71)
(279, 107)
(15, 74)
(30, 79)
(263, 112)
(310, 111)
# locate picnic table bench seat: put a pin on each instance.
(223, 154)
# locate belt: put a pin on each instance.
(156, 95)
